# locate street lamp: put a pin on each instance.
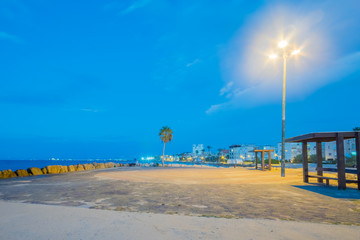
(286, 53)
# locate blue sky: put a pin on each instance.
(98, 79)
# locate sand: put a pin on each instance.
(176, 203)
(30, 221)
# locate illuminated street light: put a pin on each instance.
(286, 53)
(296, 51)
(273, 56)
(282, 44)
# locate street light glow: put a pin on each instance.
(296, 51)
(282, 44)
(273, 56)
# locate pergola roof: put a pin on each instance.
(320, 137)
(264, 150)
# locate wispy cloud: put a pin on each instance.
(215, 108)
(136, 5)
(323, 31)
(123, 8)
(89, 110)
(10, 37)
(227, 88)
(192, 63)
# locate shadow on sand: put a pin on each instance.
(331, 191)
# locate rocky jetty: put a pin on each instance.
(7, 174)
(22, 173)
(35, 171)
(57, 169)
(71, 168)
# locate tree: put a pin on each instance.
(208, 147)
(356, 129)
(298, 159)
(311, 159)
(166, 135)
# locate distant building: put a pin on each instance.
(328, 149)
(331, 153)
(291, 150)
(269, 147)
(241, 153)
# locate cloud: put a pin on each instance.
(192, 63)
(215, 108)
(13, 38)
(325, 32)
(227, 88)
(136, 5)
(89, 110)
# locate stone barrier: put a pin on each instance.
(7, 174)
(34, 171)
(79, 167)
(22, 173)
(99, 165)
(53, 169)
(71, 168)
(56, 169)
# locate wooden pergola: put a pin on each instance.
(339, 137)
(263, 151)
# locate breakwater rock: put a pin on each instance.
(34, 171)
(57, 169)
(22, 173)
(7, 174)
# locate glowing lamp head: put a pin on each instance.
(273, 56)
(282, 44)
(296, 51)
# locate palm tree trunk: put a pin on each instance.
(163, 155)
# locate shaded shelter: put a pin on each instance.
(263, 151)
(320, 137)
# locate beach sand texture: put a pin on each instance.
(208, 192)
(31, 221)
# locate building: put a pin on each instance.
(328, 149)
(291, 150)
(269, 147)
(331, 153)
(241, 153)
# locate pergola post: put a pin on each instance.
(319, 161)
(340, 161)
(263, 161)
(269, 160)
(255, 160)
(357, 140)
(305, 162)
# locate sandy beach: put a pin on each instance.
(177, 203)
(30, 221)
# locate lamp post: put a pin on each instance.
(282, 45)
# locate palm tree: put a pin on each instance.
(209, 147)
(356, 129)
(165, 136)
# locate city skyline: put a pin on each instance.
(98, 80)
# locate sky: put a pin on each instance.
(98, 79)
